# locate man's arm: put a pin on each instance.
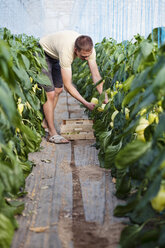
(67, 80)
(96, 77)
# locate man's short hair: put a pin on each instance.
(84, 42)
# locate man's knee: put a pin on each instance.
(50, 96)
(58, 91)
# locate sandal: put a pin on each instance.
(46, 130)
(58, 139)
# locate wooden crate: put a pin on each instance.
(74, 129)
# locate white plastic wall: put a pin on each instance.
(22, 16)
(119, 19)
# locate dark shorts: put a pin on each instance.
(54, 74)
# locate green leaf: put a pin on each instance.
(43, 96)
(31, 138)
(8, 107)
(4, 68)
(161, 241)
(157, 157)
(26, 61)
(149, 238)
(142, 80)
(110, 153)
(17, 206)
(118, 98)
(104, 139)
(106, 65)
(159, 82)
(123, 185)
(143, 215)
(23, 77)
(122, 210)
(150, 193)
(102, 98)
(4, 50)
(6, 231)
(137, 62)
(120, 58)
(119, 121)
(129, 236)
(160, 129)
(129, 96)
(10, 172)
(147, 100)
(43, 79)
(33, 100)
(146, 48)
(127, 83)
(131, 153)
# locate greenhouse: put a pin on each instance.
(82, 117)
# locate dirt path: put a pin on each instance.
(70, 199)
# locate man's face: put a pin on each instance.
(84, 55)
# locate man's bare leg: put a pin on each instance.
(58, 91)
(44, 124)
(48, 108)
(56, 97)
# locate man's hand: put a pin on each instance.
(90, 105)
(106, 98)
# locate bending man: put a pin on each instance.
(60, 50)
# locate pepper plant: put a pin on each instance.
(130, 131)
(21, 63)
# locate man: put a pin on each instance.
(60, 50)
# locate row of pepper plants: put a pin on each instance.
(21, 61)
(130, 131)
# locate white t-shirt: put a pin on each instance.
(60, 46)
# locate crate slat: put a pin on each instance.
(79, 136)
(74, 129)
(77, 121)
